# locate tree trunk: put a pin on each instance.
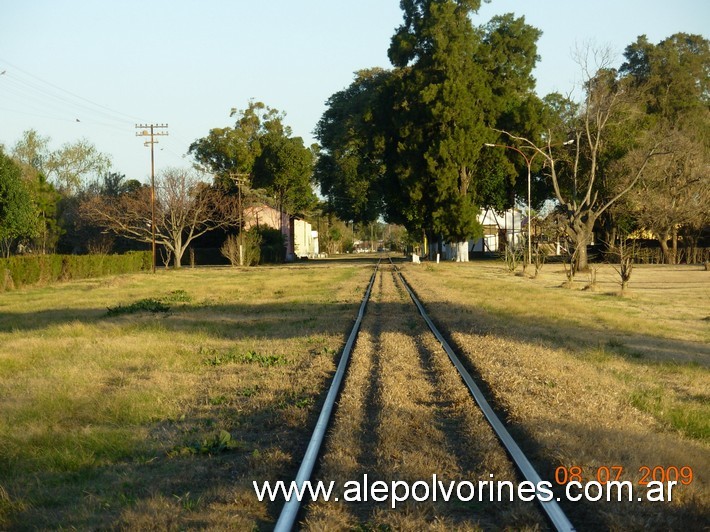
(179, 251)
(582, 257)
(674, 242)
(663, 241)
(461, 251)
(582, 237)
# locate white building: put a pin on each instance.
(305, 239)
(499, 228)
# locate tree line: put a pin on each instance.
(455, 126)
(425, 143)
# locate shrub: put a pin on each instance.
(272, 245)
(259, 245)
(250, 254)
(26, 270)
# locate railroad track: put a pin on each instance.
(404, 416)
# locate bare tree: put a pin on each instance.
(185, 208)
(579, 180)
(674, 193)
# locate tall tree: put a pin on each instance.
(350, 165)
(408, 141)
(508, 55)
(18, 216)
(580, 178)
(673, 79)
(438, 125)
(260, 152)
(232, 151)
(284, 169)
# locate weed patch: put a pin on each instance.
(177, 296)
(151, 304)
(295, 399)
(690, 416)
(218, 443)
(143, 305)
(250, 357)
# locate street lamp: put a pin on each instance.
(528, 162)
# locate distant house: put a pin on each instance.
(499, 230)
(299, 237)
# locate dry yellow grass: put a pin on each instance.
(591, 380)
(115, 422)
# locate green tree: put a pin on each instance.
(508, 55)
(18, 216)
(32, 150)
(232, 151)
(673, 80)
(46, 199)
(284, 170)
(439, 124)
(350, 166)
(407, 142)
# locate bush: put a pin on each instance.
(250, 242)
(260, 245)
(272, 245)
(26, 270)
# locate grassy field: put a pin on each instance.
(590, 378)
(146, 401)
(134, 418)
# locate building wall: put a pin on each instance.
(305, 240)
(265, 216)
(301, 240)
(499, 228)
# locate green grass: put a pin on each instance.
(104, 417)
(690, 414)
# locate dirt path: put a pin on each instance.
(404, 415)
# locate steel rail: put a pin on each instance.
(289, 512)
(553, 510)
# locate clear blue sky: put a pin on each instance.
(111, 64)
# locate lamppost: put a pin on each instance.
(528, 162)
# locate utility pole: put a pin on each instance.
(148, 130)
(240, 180)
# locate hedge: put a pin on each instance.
(24, 270)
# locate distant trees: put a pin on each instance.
(284, 170)
(186, 208)
(68, 168)
(260, 152)
(56, 179)
(673, 83)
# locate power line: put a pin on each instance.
(43, 88)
